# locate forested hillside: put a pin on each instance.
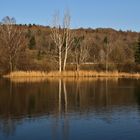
(91, 49)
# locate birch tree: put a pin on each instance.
(68, 37)
(12, 40)
(58, 38)
(62, 37)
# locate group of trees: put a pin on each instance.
(137, 52)
(61, 48)
(12, 42)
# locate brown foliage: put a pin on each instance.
(44, 56)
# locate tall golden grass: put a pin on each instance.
(71, 74)
(64, 79)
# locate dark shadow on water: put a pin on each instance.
(137, 93)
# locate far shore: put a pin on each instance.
(19, 74)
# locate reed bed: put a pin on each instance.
(64, 79)
(19, 74)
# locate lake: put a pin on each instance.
(70, 109)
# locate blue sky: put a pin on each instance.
(118, 14)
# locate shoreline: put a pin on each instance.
(57, 74)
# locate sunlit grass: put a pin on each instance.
(71, 74)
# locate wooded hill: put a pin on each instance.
(91, 49)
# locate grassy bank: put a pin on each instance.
(19, 74)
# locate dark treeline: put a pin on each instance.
(31, 47)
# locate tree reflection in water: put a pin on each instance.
(61, 99)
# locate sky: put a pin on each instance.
(117, 14)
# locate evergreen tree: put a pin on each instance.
(32, 43)
(137, 52)
(30, 25)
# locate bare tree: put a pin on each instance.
(12, 40)
(81, 51)
(68, 37)
(58, 37)
(108, 50)
(102, 56)
(62, 37)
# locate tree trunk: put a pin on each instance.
(106, 63)
(77, 67)
(10, 64)
(65, 59)
(60, 59)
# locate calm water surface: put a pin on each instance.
(70, 109)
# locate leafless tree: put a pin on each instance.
(68, 37)
(102, 56)
(62, 37)
(58, 37)
(81, 51)
(108, 50)
(12, 39)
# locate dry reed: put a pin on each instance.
(19, 74)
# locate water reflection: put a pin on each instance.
(61, 100)
(137, 92)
